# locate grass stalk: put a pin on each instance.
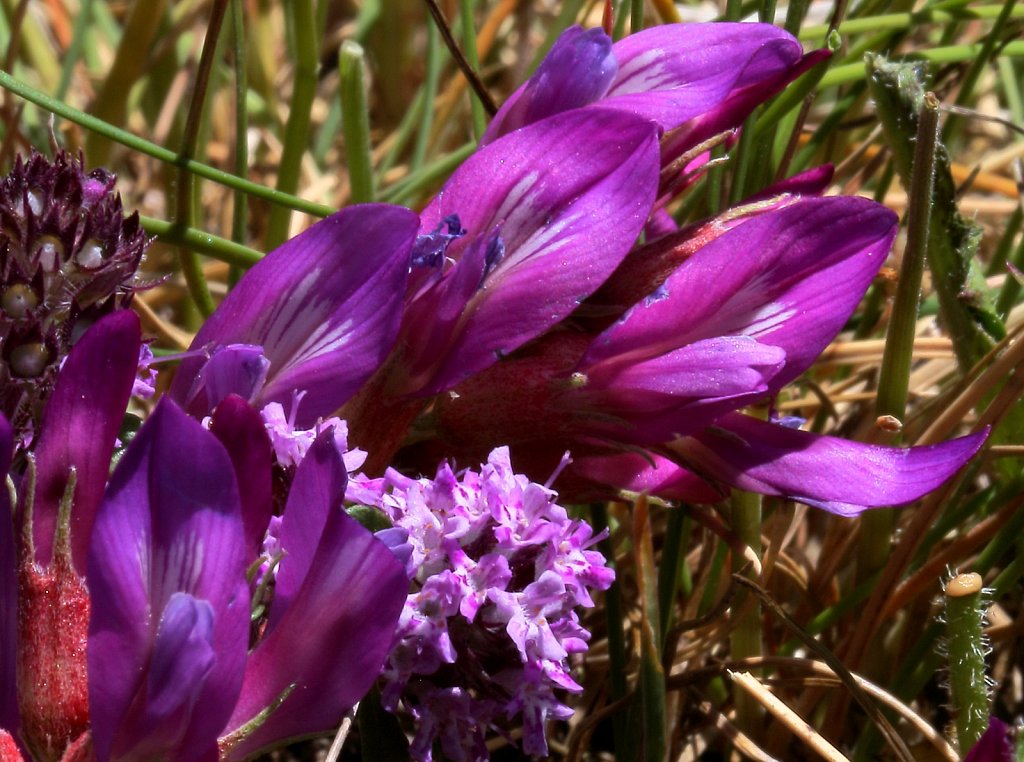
(296, 132)
(355, 122)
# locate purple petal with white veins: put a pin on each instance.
(169, 523)
(834, 474)
(788, 278)
(748, 93)
(675, 72)
(79, 429)
(9, 717)
(325, 307)
(240, 429)
(568, 197)
(331, 642)
(577, 71)
(317, 491)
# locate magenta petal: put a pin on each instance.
(683, 390)
(648, 473)
(724, 366)
(170, 524)
(79, 429)
(789, 278)
(826, 472)
(675, 72)
(242, 432)
(563, 232)
(317, 491)
(994, 745)
(8, 596)
(324, 306)
(576, 72)
(239, 369)
(331, 642)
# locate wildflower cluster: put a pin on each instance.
(212, 598)
(486, 636)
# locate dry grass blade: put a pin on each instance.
(881, 721)
(796, 724)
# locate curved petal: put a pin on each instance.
(169, 524)
(8, 597)
(325, 307)
(683, 390)
(576, 72)
(331, 642)
(79, 429)
(242, 432)
(789, 278)
(317, 491)
(675, 72)
(563, 201)
(720, 367)
(648, 473)
(826, 472)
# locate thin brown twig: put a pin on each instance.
(854, 688)
(460, 58)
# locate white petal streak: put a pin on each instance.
(643, 73)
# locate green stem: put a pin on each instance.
(202, 242)
(877, 527)
(296, 132)
(191, 267)
(673, 556)
(355, 122)
(745, 638)
(636, 16)
(469, 49)
(966, 648)
(897, 21)
(160, 153)
(240, 208)
(427, 93)
(409, 188)
(977, 66)
(854, 72)
(618, 662)
(651, 686)
(1011, 286)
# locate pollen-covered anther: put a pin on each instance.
(18, 300)
(578, 380)
(29, 360)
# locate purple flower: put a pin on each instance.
(746, 309)
(693, 80)
(558, 203)
(43, 664)
(487, 635)
(537, 221)
(68, 256)
(171, 671)
(314, 318)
